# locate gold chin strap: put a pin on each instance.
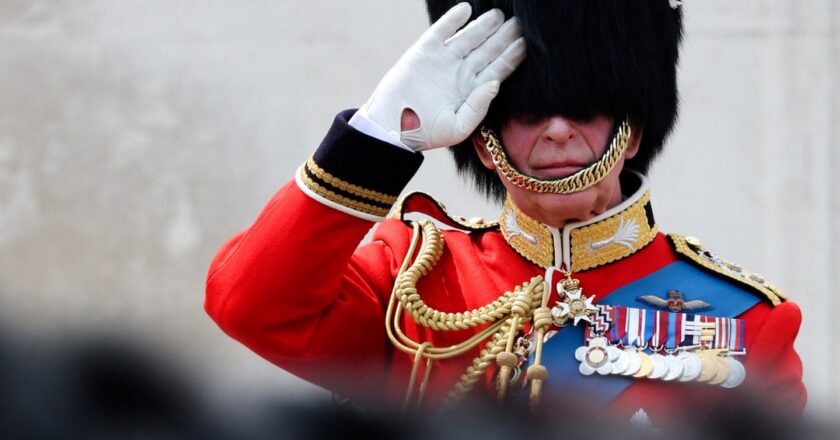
(576, 182)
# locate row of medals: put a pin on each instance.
(711, 366)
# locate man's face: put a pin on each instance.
(555, 147)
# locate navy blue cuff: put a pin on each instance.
(359, 171)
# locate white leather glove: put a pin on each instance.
(447, 79)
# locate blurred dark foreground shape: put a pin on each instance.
(92, 389)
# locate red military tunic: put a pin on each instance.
(297, 288)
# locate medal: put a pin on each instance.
(634, 361)
(642, 327)
(737, 373)
(691, 366)
(597, 356)
(646, 365)
(660, 366)
(573, 304)
(679, 335)
(657, 343)
(722, 371)
(675, 368)
(708, 367)
(621, 363)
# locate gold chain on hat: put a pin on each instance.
(576, 182)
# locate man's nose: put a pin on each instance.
(559, 129)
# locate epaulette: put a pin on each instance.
(694, 252)
(420, 202)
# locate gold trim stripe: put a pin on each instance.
(341, 200)
(682, 247)
(356, 190)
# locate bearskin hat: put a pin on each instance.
(585, 57)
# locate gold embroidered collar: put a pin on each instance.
(617, 233)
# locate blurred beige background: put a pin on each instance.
(136, 136)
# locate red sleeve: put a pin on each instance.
(295, 289)
(771, 356)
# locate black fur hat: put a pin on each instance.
(585, 57)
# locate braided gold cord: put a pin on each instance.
(576, 182)
(475, 371)
(418, 356)
(409, 298)
(521, 300)
(356, 190)
(341, 200)
(537, 373)
(506, 360)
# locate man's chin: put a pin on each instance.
(560, 209)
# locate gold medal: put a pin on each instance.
(708, 367)
(711, 365)
(646, 365)
(722, 371)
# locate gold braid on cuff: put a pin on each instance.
(573, 183)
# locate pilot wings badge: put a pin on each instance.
(675, 302)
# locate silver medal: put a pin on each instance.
(692, 366)
(737, 373)
(621, 362)
(580, 353)
(585, 369)
(675, 368)
(612, 354)
(597, 357)
(660, 366)
(635, 362)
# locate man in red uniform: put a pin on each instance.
(573, 292)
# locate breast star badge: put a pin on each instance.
(573, 304)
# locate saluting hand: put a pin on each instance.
(448, 79)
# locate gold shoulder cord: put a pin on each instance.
(505, 316)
